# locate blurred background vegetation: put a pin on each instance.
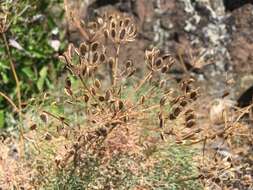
(31, 30)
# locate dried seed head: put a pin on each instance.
(94, 46)
(97, 83)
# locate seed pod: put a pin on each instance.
(158, 62)
(176, 111)
(68, 91)
(113, 34)
(190, 123)
(142, 100)
(95, 57)
(97, 83)
(93, 91)
(67, 83)
(189, 117)
(48, 137)
(83, 48)
(106, 33)
(84, 70)
(122, 34)
(111, 62)
(33, 127)
(162, 83)
(86, 98)
(113, 24)
(129, 64)
(120, 105)
(126, 22)
(161, 123)
(94, 46)
(183, 103)
(164, 69)
(193, 95)
(108, 95)
(102, 58)
(163, 100)
(101, 98)
(44, 117)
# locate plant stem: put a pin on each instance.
(115, 66)
(10, 101)
(18, 91)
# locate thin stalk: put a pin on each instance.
(115, 66)
(10, 101)
(143, 81)
(21, 136)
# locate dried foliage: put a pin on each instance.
(136, 133)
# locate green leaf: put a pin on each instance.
(1, 119)
(29, 73)
(43, 75)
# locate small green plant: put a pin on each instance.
(28, 57)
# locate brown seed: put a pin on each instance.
(94, 46)
(97, 83)
(48, 137)
(95, 57)
(120, 104)
(44, 117)
(164, 69)
(131, 73)
(93, 91)
(84, 70)
(176, 111)
(193, 95)
(189, 117)
(163, 100)
(108, 95)
(33, 126)
(129, 64)
(102, 58)
(68, 91)
(113, 34)
(183, 103)
(158, 62)
(126, 22)
(122, 34)
(161, 123)
(86, 98)
(106, 33)
(142, 99)
(67, 83)
(190, 123)
(83, 48)
(101, 98)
